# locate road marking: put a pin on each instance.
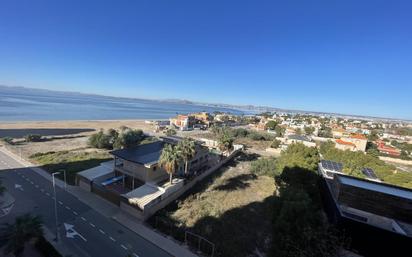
(111, 238)
(36, 186)
(47, 194)
(83, 218)
(75, 213)
(42, 190)
(135, 255)
(60, 203)
(101, 231)
(31, 182)
(67, 207)
(91, 224)
(17, 186)
(124, 247)
(70, 232)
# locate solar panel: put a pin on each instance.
(369, 173)
(332, 166)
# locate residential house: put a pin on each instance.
(389, 150)
(353, 142)
(183, 122)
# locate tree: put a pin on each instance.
(225, 142)
(170, 159)
(100, 140)
(128, 138)
(25, 228)
(275, 144)
(373, 136)
(309, 130)
(280, 131)
(271, 124)
(187, 149)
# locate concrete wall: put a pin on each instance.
(173, 196)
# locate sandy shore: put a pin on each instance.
(77, 124)
(62, 135)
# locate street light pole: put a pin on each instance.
(55, 206)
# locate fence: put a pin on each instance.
(195, 242)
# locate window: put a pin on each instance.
(154, 168)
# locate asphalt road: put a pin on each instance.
(92, 234)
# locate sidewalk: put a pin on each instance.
(112, 211)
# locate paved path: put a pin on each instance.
(82, 230)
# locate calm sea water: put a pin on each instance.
(33, 105)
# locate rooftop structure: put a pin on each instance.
(146, 154)
(376, 204)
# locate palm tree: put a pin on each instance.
(170, 159)
(225, 142)
(25, 228)
(187, 148)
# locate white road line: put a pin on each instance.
(67, 207)
(31, 182)
(111, 238)
(61, 203)
(124, 247)
(135, 255)
(83, 218)
(75, 213)
(42, 190)
(36, 186)
(91, 224)
(47, 194)
(101, 231)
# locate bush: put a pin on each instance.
(101, 140)
(170, 132)
(275, 144)
(128, 138)
(264, 167)
(33, 138)
(8, 140)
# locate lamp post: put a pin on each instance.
(55, 206)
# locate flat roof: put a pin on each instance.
(377, 187)
(143, 195)
(101, 170)
(143, 154)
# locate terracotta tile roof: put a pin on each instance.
(358, 136)
(341, 142)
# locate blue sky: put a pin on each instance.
(347, 56)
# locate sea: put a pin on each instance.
(25, 104)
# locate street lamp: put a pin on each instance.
(55, 206)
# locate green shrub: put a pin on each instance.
(33, 138)
(275, 144)
(8, 140)
(170, 132)
(264, 167)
